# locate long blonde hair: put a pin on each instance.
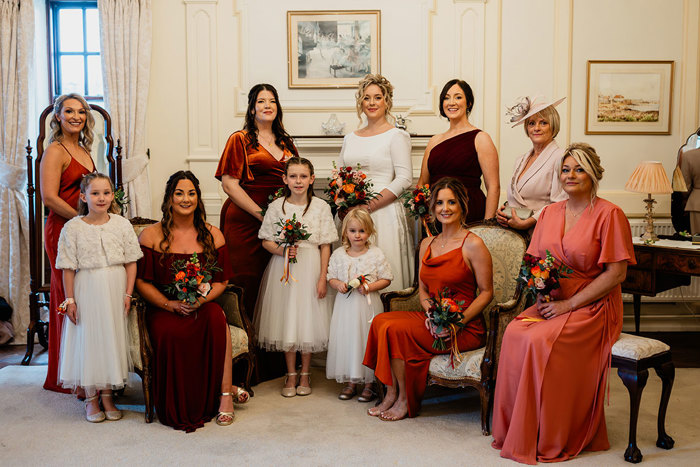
(86, 134)
(85, 183)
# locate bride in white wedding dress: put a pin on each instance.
(384, 155)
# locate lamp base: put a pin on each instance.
(649, 235)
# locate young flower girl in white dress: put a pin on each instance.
(355, 307)
(294, 316)
(97, 251)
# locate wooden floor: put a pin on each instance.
(685, 347)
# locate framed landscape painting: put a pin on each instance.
(332, 49)
(629, 97)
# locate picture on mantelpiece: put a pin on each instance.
(332, 49)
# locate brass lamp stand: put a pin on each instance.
(649, 234)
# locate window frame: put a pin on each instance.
(53, 53)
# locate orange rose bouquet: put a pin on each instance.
(445, 314)
(291, 232)
(541, 276)
(416, 203)
(348, 188)
(192, 279)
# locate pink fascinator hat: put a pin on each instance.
(527, 107)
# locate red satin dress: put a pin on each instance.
(188, 351)
(260, 175)
(548, 404)
(457, 157)
(403, 335)
(68, 191)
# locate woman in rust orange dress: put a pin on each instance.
(64, 163)
(463, 152)
(399, 346)
(250, 170)
(552, 371)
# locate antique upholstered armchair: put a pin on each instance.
(242, 334)
(39, 269)
(478, 367)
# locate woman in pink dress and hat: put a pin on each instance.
(535, 183)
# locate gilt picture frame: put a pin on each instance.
(332, 49)
(629, 97)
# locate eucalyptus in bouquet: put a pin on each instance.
(541, 275)
(192, 279)
(348, 188)
(277, 194)
(445, 313)
(416, 203)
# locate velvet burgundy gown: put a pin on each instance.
(403, 335)
(457, 157)
(68, 191)
(550, 389)
(188, 351)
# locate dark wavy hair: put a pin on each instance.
(450, 183)
(282, 138)
(204, 236)
(85, 183)
(296, 160)
(468, 94)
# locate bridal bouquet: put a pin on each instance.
(348, 188)
(541, 276)
(416, 203)
(192, 279)
(291, 232)
(445, 313)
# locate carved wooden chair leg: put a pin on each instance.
(667, 373)
(147, 397)
(249, 374)
(31, 329)
(43, 334)
(635, 382)
(485, 397)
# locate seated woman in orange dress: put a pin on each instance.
(399, 346)
(191, 342)
(552, 371)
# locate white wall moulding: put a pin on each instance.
(202, 80)
(469, 55)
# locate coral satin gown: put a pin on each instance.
(403, 335)
(550, 388)
(457, 157)
(188, 351)
(68, 191)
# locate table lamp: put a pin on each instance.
(649, 177)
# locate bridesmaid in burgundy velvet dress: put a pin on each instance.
(463, 152)
(64, 163)
(250, 170)
(191, 343)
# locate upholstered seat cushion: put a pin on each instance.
(637, 347)
(239, 341)
(469, 367)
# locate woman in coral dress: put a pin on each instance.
(191, 342)
(555, 356)
(250, 170)
(399, 346)
(64, 163)
(463, 152)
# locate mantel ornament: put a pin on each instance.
(333, 126)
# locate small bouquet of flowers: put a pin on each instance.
(356, 283)
(277, 194)
(192, 279)
(445, 313)
(541, 276)
(291, 232)
(348, 188)
(416, 203)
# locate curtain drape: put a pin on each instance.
(16, 49)
(126, 64)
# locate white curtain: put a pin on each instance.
(126, 64)
(16, 48)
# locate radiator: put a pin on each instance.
(690, 293)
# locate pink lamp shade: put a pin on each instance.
(649, 177)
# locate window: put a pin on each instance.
(75, 49)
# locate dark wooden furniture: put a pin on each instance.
(659, 269)
(39, 269)
(507, 248)
(634, 375)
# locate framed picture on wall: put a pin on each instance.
(332, 49)
(629, 97)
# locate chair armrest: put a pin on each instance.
(392, 300)
(231, 301)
